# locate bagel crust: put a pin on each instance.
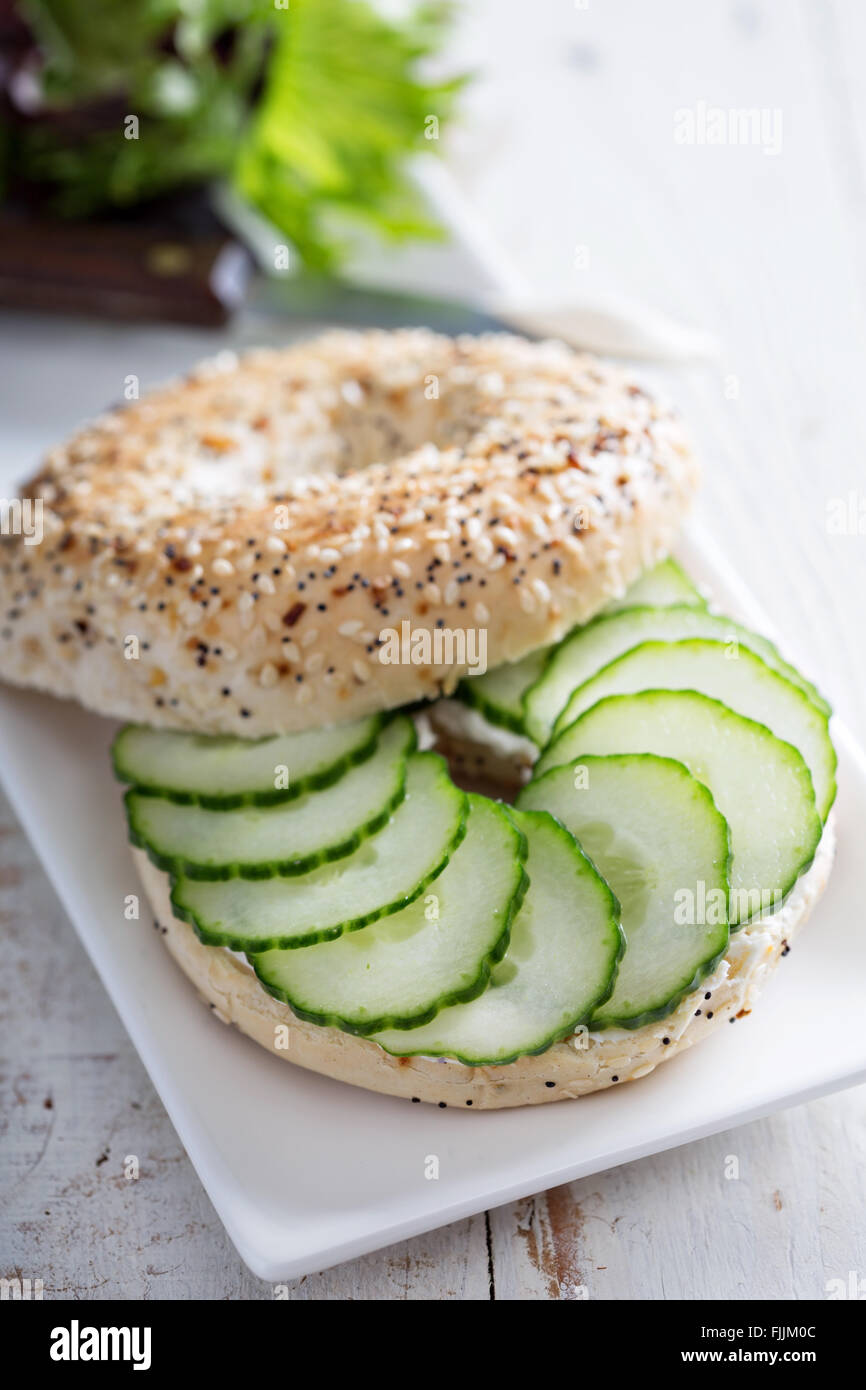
(225, 554)
(569, 1069)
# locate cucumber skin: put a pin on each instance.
(656, 1015)
(315, 781)
(469, 693)
(616, 923)
(805, 864)
(696, 599)
(516, 723)
(561, 727)
(785, 669)
(584, 1018)
(274, 868)
(663, 1010)
(462, 996)
(494, 714)
(277, 943)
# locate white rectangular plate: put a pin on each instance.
(305, 1172)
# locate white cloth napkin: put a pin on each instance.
(474, 267)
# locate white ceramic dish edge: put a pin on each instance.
(278, 1149)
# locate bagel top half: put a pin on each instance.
(226, 553)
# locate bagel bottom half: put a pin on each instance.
(569, 1069)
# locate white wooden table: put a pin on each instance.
(570, 149)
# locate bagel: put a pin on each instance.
(225, 554)
(564, 1072)
(255, 550)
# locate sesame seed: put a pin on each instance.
(527, 601)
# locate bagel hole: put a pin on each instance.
(371, 426)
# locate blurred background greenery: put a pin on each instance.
(307, 109)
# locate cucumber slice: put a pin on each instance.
(221, 773)
(586, 651)
(561, 962)
(738, 678)
(384, 874)
(262, 841)
(664, 584)
(654, 832)
(399, 972)
(761, 785)
(499, 694)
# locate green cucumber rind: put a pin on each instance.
(755, 642)
(683, 644)
(707, 967)
(210, 937)
(786, 669)
(471, 691)
(314, 781)
(744, 635)
(616, 922)
(274, 868)
(809, 854)
(656, 1014)
(690, 595)
(495, 714)
(461, 996)
(584, 1017)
